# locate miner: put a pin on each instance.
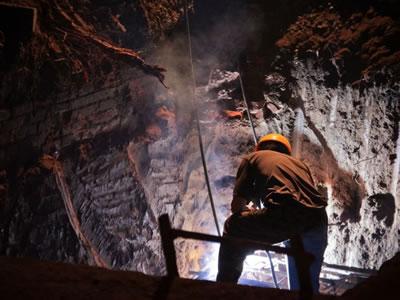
(274, 199)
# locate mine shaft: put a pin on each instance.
(192, 149)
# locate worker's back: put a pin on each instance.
(292, 207)
(277, 177)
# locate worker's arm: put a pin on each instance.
(244, 188)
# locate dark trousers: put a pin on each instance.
(314, 241)
(271, 225)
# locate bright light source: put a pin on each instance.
(210, 264)
(255, 261)
(256, 268)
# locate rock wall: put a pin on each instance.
(124, 166)
(360, 129)
(85, 174)
(350, 148)
(87, 132)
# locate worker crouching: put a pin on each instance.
(291, 205)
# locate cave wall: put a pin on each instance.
(86, 170)
(331, 86)
(359, 144)
(87, 132)
(350, 148)
(74, 97)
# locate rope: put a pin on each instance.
(273, 271)
(255, 143)
(198, 121)
(199, 131)
(247, 109)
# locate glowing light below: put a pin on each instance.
(210, 263)
(256, 262)
(256, 268)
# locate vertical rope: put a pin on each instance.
(199, 130)
(247, 109)
(255, 143)
(193, 77)
(273, 270)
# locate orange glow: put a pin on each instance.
(231, 114)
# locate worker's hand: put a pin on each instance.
(245, 213)
(323, 190)
(239, 205)
(248, 209)
(251, 206)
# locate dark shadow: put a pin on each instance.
(385, 207)
(225, 182)
(16, 23)
(163, 288)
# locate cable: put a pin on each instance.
(255, 143)
(199, 132)
(247, 109)
(273, 271)
(198, 121)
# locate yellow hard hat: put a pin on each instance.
(276, 137)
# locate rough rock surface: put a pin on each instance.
(125, 150)
(333, 134)
(103, 197)
(361, 174)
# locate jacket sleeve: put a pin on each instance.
(244, 187)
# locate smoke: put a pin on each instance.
(219, 34)
(218, 38)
